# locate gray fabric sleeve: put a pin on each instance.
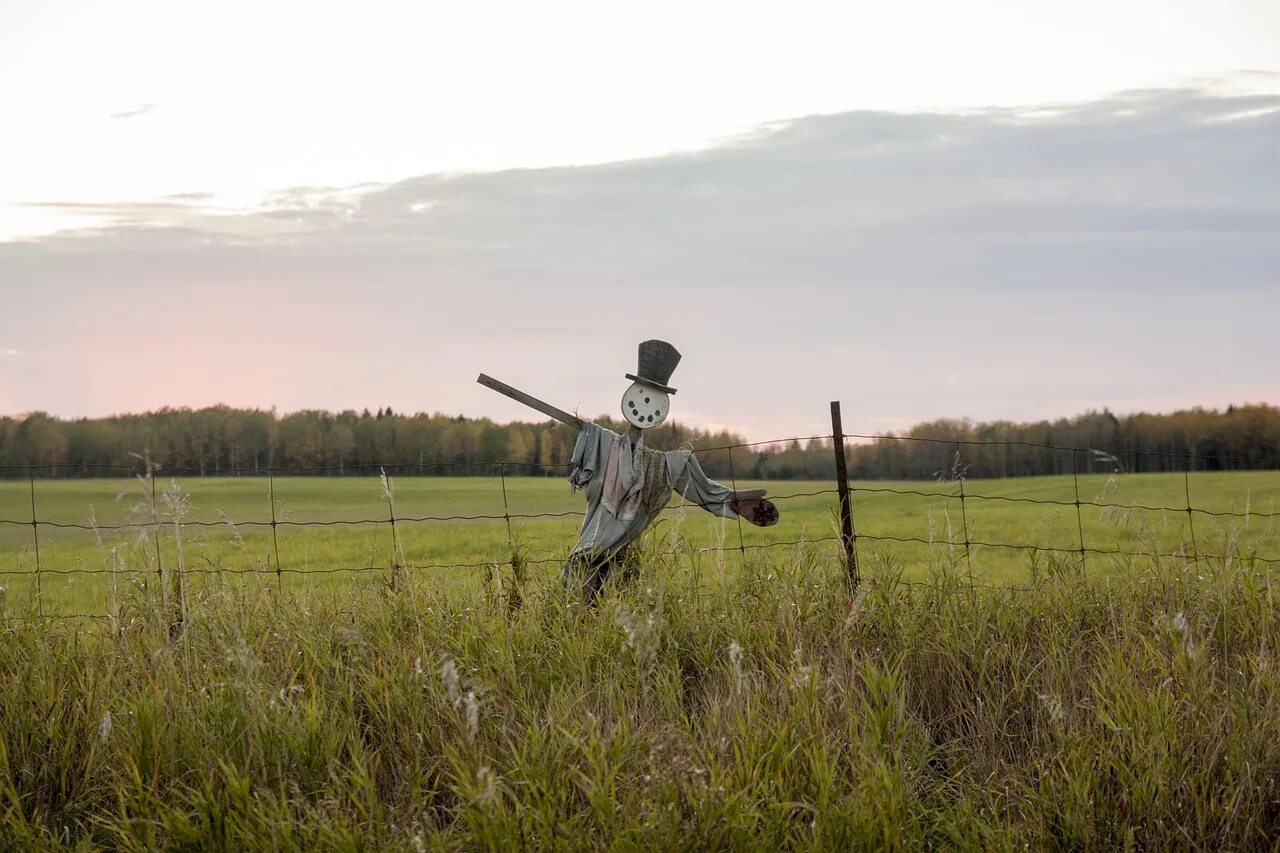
(689, 481)
(586, 455)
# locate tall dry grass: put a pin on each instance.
(772, 713)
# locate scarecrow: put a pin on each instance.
(627, 484)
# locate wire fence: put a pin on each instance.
(852, 500)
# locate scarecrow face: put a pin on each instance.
(645, 406)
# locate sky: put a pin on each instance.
(992, 210)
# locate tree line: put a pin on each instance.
(220, 440)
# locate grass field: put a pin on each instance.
(225, 528)
(718, 699)
(1139, 712)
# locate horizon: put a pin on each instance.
(385, 411)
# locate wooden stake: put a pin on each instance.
(847, 539)
(530, 401)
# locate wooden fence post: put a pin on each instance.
(275, 539)
(847, 539)
(35, 540)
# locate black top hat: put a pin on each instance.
(658, 360)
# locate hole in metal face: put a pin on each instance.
(650, 418)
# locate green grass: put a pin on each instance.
(208, 551)
(719, 698)
(1140, 710)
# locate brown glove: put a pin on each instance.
(757, 510)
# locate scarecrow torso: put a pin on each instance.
(627, 485)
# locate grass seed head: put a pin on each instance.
(449, 678)
(473, 715)
(104, 728)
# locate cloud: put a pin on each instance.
(141, 109)
(921, 199)
(1049, 258)
(189, 196)
(121, 209)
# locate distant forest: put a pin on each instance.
(221, 440)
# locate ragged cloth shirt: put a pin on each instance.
(627, 486)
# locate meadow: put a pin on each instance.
(723, 698)
(773, 712)
(223, 535)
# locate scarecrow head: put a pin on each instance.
(647, 402)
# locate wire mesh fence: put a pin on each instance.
(30, 524)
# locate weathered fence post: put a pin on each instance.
(506, 508)
(847, 539)
(155, 527)
(35, 540)
(515, 598)
(958, 472)
(275, 541)
(1191, 520)
(1075, 479)
(733, 479)
(395, 537)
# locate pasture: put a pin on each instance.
(722, 698)
(1139, 711)
(452, 533)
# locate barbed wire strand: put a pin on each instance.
(226, 521)
(559, 558)
(960, 492)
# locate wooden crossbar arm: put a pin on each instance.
(532, 402)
